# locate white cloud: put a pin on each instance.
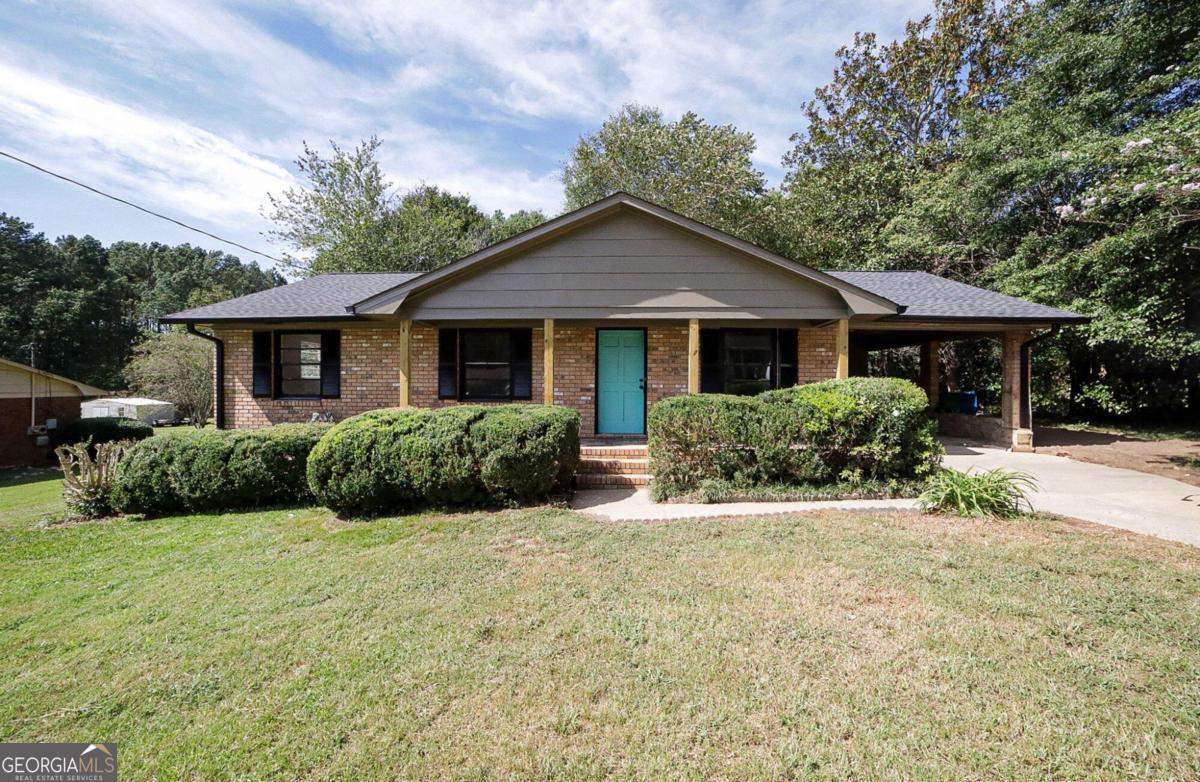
(158, 159)
(191, 105)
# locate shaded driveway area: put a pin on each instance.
(1170, 458)
(1131, 500)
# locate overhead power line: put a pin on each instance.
(151, 212)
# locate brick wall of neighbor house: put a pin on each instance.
(370, 371)
(18, 449)
(818, 354)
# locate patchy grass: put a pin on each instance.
(1134, 431)
(536, 643)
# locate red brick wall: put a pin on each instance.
(424, 369)
(818, 354)
(370, 371)
(370, 379)
(18, 449)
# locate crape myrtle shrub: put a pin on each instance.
(217, 470)
(837, 431)
(391, 460)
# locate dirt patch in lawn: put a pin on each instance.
(1178, 459)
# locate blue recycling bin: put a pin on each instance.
(959, 402)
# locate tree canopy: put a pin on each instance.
(83, 306)
(698, 169)
(349, 218)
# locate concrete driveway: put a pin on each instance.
(1136, 501)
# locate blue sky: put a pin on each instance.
(198, 109)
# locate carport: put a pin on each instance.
(938, 310)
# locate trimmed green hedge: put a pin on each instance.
(839, 431)
(217, 470)
(104, 430)
(398, 459)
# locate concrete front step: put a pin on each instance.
(592, 480)
(613, 452)
(627, 466)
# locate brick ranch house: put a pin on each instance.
(606, 309)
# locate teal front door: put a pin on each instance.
(621, 381)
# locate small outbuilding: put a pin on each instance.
(148, 411)
(33, 404)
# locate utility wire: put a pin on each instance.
(136, 206)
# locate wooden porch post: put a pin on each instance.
(843, 348)
(403, 350)
(931, 379)
(548, 361)
(693, 356)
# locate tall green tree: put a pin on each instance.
(698, 169)
(890, 117)
(82, 306)
(62, 300)
(349, 218)
(1080, 187)
(167, 278)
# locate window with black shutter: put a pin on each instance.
(307, 364)
(447, 363)
(485, 364)
(331, 364)
(747, 361)
(262, 363)
(788, 343)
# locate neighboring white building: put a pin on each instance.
(145, 410)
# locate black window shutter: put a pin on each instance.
(522, 363)
(789, 349)
(712, 376)
(262, 363)
(447, 363)
(331, 364)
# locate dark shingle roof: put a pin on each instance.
(924, 296)
(929, 297)
(315, 298)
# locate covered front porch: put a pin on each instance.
(611, 371)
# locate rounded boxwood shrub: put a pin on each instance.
(865, 428)
(104, 430)
(217, 470)
(398, 459)
(837, 431)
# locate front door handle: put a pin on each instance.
(642, 384)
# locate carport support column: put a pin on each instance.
(1014, 394)
(931, 377)
(404, 360)
(693, 386)
(548, 361)
(843, 348)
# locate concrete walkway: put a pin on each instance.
(1126, 499)
(635, 505)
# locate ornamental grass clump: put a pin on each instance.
(88, 475)
(995, 493)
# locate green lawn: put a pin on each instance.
(539, 644)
